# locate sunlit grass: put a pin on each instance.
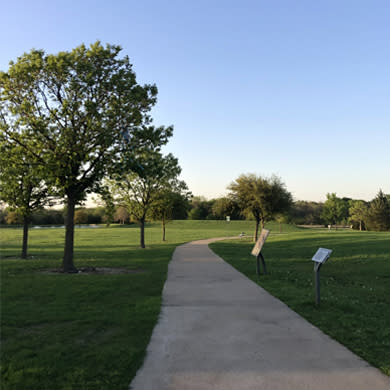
(86, 331)
(355, 293)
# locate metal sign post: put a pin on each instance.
(319, 258)
(256, 251)
(260, 256)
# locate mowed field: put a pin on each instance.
(90, 331)
(355, 284)
(86, 331)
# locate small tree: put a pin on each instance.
(281, 218)
(108, 205)
(139, 191)
(335, 209)
(164, 205)
(260, 196)
(21, 185)
(358, 212)
(121, 215)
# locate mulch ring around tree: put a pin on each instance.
(93, 271)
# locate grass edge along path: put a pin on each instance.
(355, 296)
(86, 331)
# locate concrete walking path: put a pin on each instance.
(220, 331)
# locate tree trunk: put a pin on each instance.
(142, 231)
(256, 230)
(360, 225)
(163, 229)
(26, 220)
(67, 261)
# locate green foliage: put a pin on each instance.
(121, 215)
(164, 207)
(378, 216)
(169, 201)
(80, 216)
(200, 208)
(14, 218)
(79, 115)
(48, 217)
(108, 205)
(223, 207)
(260, 196)
(358, 212)
(335, 209)
(75, 111)
(22, 184)
(181, 205)
(140, 191)
(306, 213)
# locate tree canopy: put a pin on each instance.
(77, 114)
(22, 185)
(378, 215)
(358, 212)
(262, 197)
(335, 209)
(139, 190)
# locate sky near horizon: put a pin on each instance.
(296, 88)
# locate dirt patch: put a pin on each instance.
(94, 271)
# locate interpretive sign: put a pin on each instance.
(256, 251)
(260, 242)
(319, 258)
(322, 255)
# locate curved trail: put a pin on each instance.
(220, 331)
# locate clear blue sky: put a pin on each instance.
(299, 88)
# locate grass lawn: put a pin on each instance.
(355, 284)
(86, 331)
(91, 331)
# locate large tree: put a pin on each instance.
(261, 196)
(335, 209)
(378, 216)
(22, 185)
(76, 113)
(141, 188)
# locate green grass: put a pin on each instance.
(91, 331)
(86, 331)
(355, 292)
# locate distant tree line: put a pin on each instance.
(84, 215)
(361, 215)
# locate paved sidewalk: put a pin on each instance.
(220, 331)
